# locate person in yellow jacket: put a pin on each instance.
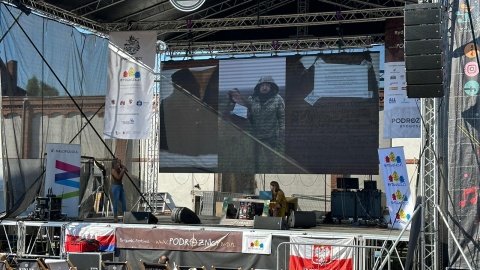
(278, 204)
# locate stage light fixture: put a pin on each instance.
(22, 7)
(197, 186)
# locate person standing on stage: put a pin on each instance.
(279, 201)
(118, 171)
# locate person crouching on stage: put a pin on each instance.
(278, 204)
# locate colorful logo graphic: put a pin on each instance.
(394, 177)
(70, 172)
(470, 51)
(131, 73)
(471, 88)
(398, 196)
(471, 69)
(257, 244)
(322, 255)
(391, 158)
(401, 215)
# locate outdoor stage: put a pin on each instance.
(206, 244)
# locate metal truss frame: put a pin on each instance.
(180, 50)
(256, 22)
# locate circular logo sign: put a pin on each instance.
(187, 5)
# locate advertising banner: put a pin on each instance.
(397, 186)
(258, 243)
(62, 175)
(140, 238)
(128, 102)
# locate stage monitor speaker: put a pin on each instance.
(184, 215)
(302, 219)
(89, 260)
(139, 218)
(268, 223)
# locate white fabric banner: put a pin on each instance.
(142, 45)
(401, 114)
(62, 175)
(129, 99)
(258, 243)
(397, 186)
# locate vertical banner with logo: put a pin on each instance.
(62, 175)
(401, 114)
(314, 253)
(142, 45)
(128, 102)
(397, 186)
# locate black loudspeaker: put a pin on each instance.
(343, 204)
(139, 218)
(424, 50)
(269, 223)
(369, 204)
(302, 219)
(184, 215)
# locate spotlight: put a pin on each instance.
(22, 7)
(197, 186)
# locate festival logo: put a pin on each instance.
(131, 73)
(132, 45)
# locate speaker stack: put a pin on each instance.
(424, 47)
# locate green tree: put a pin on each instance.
(35, 88)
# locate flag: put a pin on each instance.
(324, 254)
(400, 201)
(129, 98)
(104, 235)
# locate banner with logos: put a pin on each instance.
(142, 45)
(141, 238)
(62, 175)
(257, 242)
(326, 254)
(129, 99)
(401, 114)
(397, 186)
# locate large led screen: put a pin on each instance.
(279, 115)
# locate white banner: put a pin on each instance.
(258, 243)
(401, 114)
(397, 186)
(129, 99)
(142, 45)
(62, 175)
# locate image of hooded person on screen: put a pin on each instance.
(266, 116)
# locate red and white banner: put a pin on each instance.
(324, 254)
(397, 186)
(142, 45)
(75, 233)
